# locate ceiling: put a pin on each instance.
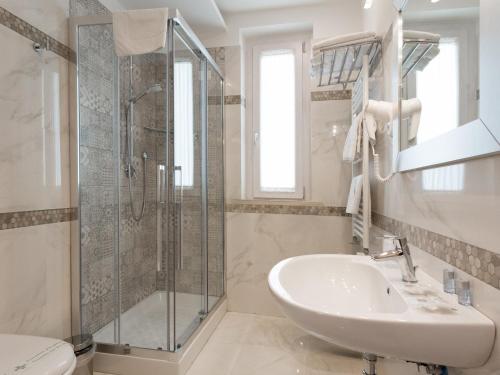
(207, 15)
(235, 6)
(200, 14)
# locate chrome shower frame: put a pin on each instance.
(76, 317)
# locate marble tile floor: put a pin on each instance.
(247, 344)
(145, 324)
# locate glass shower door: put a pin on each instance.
(187, 294)
(215, 187)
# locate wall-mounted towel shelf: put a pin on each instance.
(342, 64)
(415, 51)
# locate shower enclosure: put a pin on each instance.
(147, 173)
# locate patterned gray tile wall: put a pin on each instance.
(98, 175)
(477, 262)
(138, 238)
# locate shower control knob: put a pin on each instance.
(129, 171)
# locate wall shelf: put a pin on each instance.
(342, 64)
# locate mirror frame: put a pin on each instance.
(473, 140)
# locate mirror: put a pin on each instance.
(449, 56)
(440, 68)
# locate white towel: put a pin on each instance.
(353, 140)
(342, 40)
(137, 32)
(413, 35)
(355, 192)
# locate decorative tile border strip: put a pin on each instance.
(11, 220)
(320, 96)
(228, 99)
(25, 29)
(232, 99)
(477, 262)
(285, 209)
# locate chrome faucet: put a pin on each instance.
(401, 254)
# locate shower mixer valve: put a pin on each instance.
(129, 168)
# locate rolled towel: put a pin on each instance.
(137, 32)
(343, 40)
(415, 35)
(355, 193)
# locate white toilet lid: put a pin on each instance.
(31, 355)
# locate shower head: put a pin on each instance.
(151, 89)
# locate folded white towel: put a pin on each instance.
(353, 140)
(137, 32)
(412, 35)
(342, 40)
(355, 193)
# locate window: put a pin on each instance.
(183, 123)
(277, 121)
(441, 101)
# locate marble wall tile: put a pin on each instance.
(34, 280)
(40, 40)
(256, 242)
(51, 16)
(232, 70)
(34, 148)
(477, 262)
(232, 124)
(330, 175)
(460, 201)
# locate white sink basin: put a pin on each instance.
(362, 305)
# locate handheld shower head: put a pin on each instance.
(151, 89)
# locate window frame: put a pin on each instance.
(183, 186)
(297, 46)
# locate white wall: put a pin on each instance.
(379, 17)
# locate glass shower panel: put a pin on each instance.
(98, 151)
(143, 296)
(188, 296)
(215, 177)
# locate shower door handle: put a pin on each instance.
(179, 264)
(160, 204)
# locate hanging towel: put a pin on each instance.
(342, 40)
(140, 31)
(355, 192)
(353, 140)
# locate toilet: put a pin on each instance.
(32, 355)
